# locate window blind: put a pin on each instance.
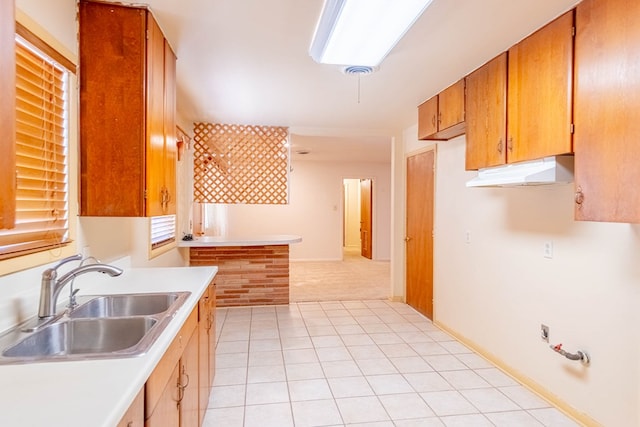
(41, 155)
(163, 230)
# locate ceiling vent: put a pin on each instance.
(359, 70)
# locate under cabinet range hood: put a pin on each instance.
(549, 170)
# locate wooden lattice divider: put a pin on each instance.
(240, 164)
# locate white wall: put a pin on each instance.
(352, 213)
(315, 211)
(498, 289)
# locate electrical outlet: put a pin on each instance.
(467, 236)
(548, 249)
(544, 333)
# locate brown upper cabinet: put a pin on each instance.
(486, 111)
(127, 113)
(7, 114)
(533, 118)
(539, 97)
(607, 101)
(442, 117)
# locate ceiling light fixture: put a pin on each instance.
(362, 32)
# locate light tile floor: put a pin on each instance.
(358, 363)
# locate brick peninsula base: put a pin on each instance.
(247, 275)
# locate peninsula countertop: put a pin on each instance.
(258, 240)
(97, 392)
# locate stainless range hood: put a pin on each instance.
(550, 170)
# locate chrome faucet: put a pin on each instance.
(51, 285)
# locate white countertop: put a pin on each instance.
(214, 241)
(96, 392)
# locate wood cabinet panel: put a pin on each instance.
(166, 412)
(134, 417)
(451, 106)
(164, 370)
(155, 118)
(112, 109)
(189, 384)
(127, 113)
(442, 117)
(212, 334)
(539, 97)
(486, 114)
(204, 321)
(170, 132)
(7, 114)
(607, 101)
(428, 118)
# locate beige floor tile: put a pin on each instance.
(316, 389)
(406, 406)
(304, 371)
(316, 413)
(361, 410)
(446, 403)
(489, 400)
(271, 415)
(350, 387)
(262, 393)
(523, 397)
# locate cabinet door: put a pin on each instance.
(428, 118)
(212, 334)
(204, 322)
(166, 413)
(112, 130)
(155, 118)
(486, 114)
(451, 106)
(607, 101)
(7, 114)
(189, 402)
(134, 417)
(170, 148)
(539, 97)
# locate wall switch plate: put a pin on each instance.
(548, 249)
(467, 236)
(544, 333)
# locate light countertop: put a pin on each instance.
(96, 392)
(260, 240)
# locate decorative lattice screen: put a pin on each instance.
(240, 164)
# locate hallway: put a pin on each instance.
(354, 278)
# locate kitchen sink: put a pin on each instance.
(101, 327)
(127, 305)
(84, 336)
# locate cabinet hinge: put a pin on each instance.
(573, 31)
(147, 34)
(145, 193)
(571, 128)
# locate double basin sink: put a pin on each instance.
(106, 326)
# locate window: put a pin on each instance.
(42, 136)
(163, 230)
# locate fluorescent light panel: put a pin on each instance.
(362, 32)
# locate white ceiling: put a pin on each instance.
(247, 62)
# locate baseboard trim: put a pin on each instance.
(533, 386)
(396, 298)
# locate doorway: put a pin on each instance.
(358, 216)
(419, 231)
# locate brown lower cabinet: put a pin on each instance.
(177, 391)
(134, 417)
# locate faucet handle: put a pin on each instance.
(50, 273)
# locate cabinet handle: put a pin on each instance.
(500, 146)
(510, 144)
(579, 196)
(433, 120)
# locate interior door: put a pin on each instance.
(419, 238)
(365, 218)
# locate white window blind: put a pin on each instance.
(42, 104)
(163, 230)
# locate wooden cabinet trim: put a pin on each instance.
(442, 116)
(134, 417)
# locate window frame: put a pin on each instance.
(38, 36)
